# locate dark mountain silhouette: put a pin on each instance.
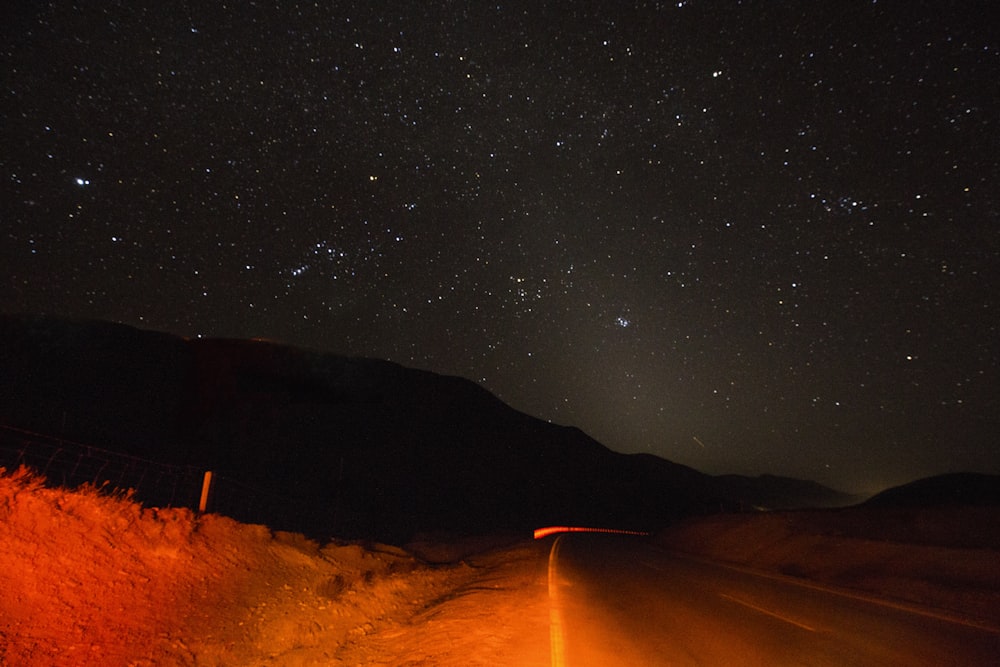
(949, 490)
(332, 445)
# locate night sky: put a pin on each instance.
(750, 237)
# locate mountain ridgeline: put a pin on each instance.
(335, 445)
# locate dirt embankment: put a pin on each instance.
(946, 558)
(91, 579)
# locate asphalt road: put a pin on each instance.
(618, 600)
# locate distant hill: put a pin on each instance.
(953, 489)
(327, 444)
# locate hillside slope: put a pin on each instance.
(331, 445)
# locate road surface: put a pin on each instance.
(621, 601)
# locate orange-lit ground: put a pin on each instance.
(88, 579)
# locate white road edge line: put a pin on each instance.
(870, 598)
(558, 646)
(768, 612)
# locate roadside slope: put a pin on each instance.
(87, 578)
(947, 558)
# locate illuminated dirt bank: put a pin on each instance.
(88, 578)
(91, 579)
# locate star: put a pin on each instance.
(789, 198)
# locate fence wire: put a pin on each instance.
(65, 463)
(70, 464)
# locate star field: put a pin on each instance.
(745, 236)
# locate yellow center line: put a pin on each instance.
(558, 647)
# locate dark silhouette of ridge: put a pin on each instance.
(948, 490)
(344, 446)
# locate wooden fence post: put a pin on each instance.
(206, 487)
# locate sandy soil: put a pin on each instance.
(91, 579)
(944, 558)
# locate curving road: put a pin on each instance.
(620, 601)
